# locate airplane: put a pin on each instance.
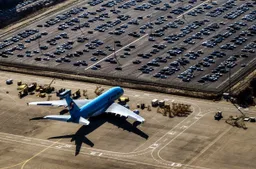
(81, 110)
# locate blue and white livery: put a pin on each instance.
(81, 110)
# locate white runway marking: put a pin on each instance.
(163, 161)
(154, 146)
(183, 127)
(207, 147)
(110, 154)
(172, 132)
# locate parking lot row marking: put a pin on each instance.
(115, 52)
(192, 9)
(49, 13)
(234, 74)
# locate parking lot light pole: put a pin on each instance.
(115, 56)
(39, 46)
(90, 32)
(80, 27)
(150, 18)
(229, 78)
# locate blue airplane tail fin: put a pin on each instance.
(74, 110)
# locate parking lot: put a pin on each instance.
(195, 45)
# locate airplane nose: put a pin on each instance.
(122, 90)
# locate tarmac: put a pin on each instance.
(193, 142)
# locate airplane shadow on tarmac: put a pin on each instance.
(80, 136)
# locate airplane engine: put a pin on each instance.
(136, 111)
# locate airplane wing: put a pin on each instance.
(59, 103)
(122, 111)
(65, 118)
